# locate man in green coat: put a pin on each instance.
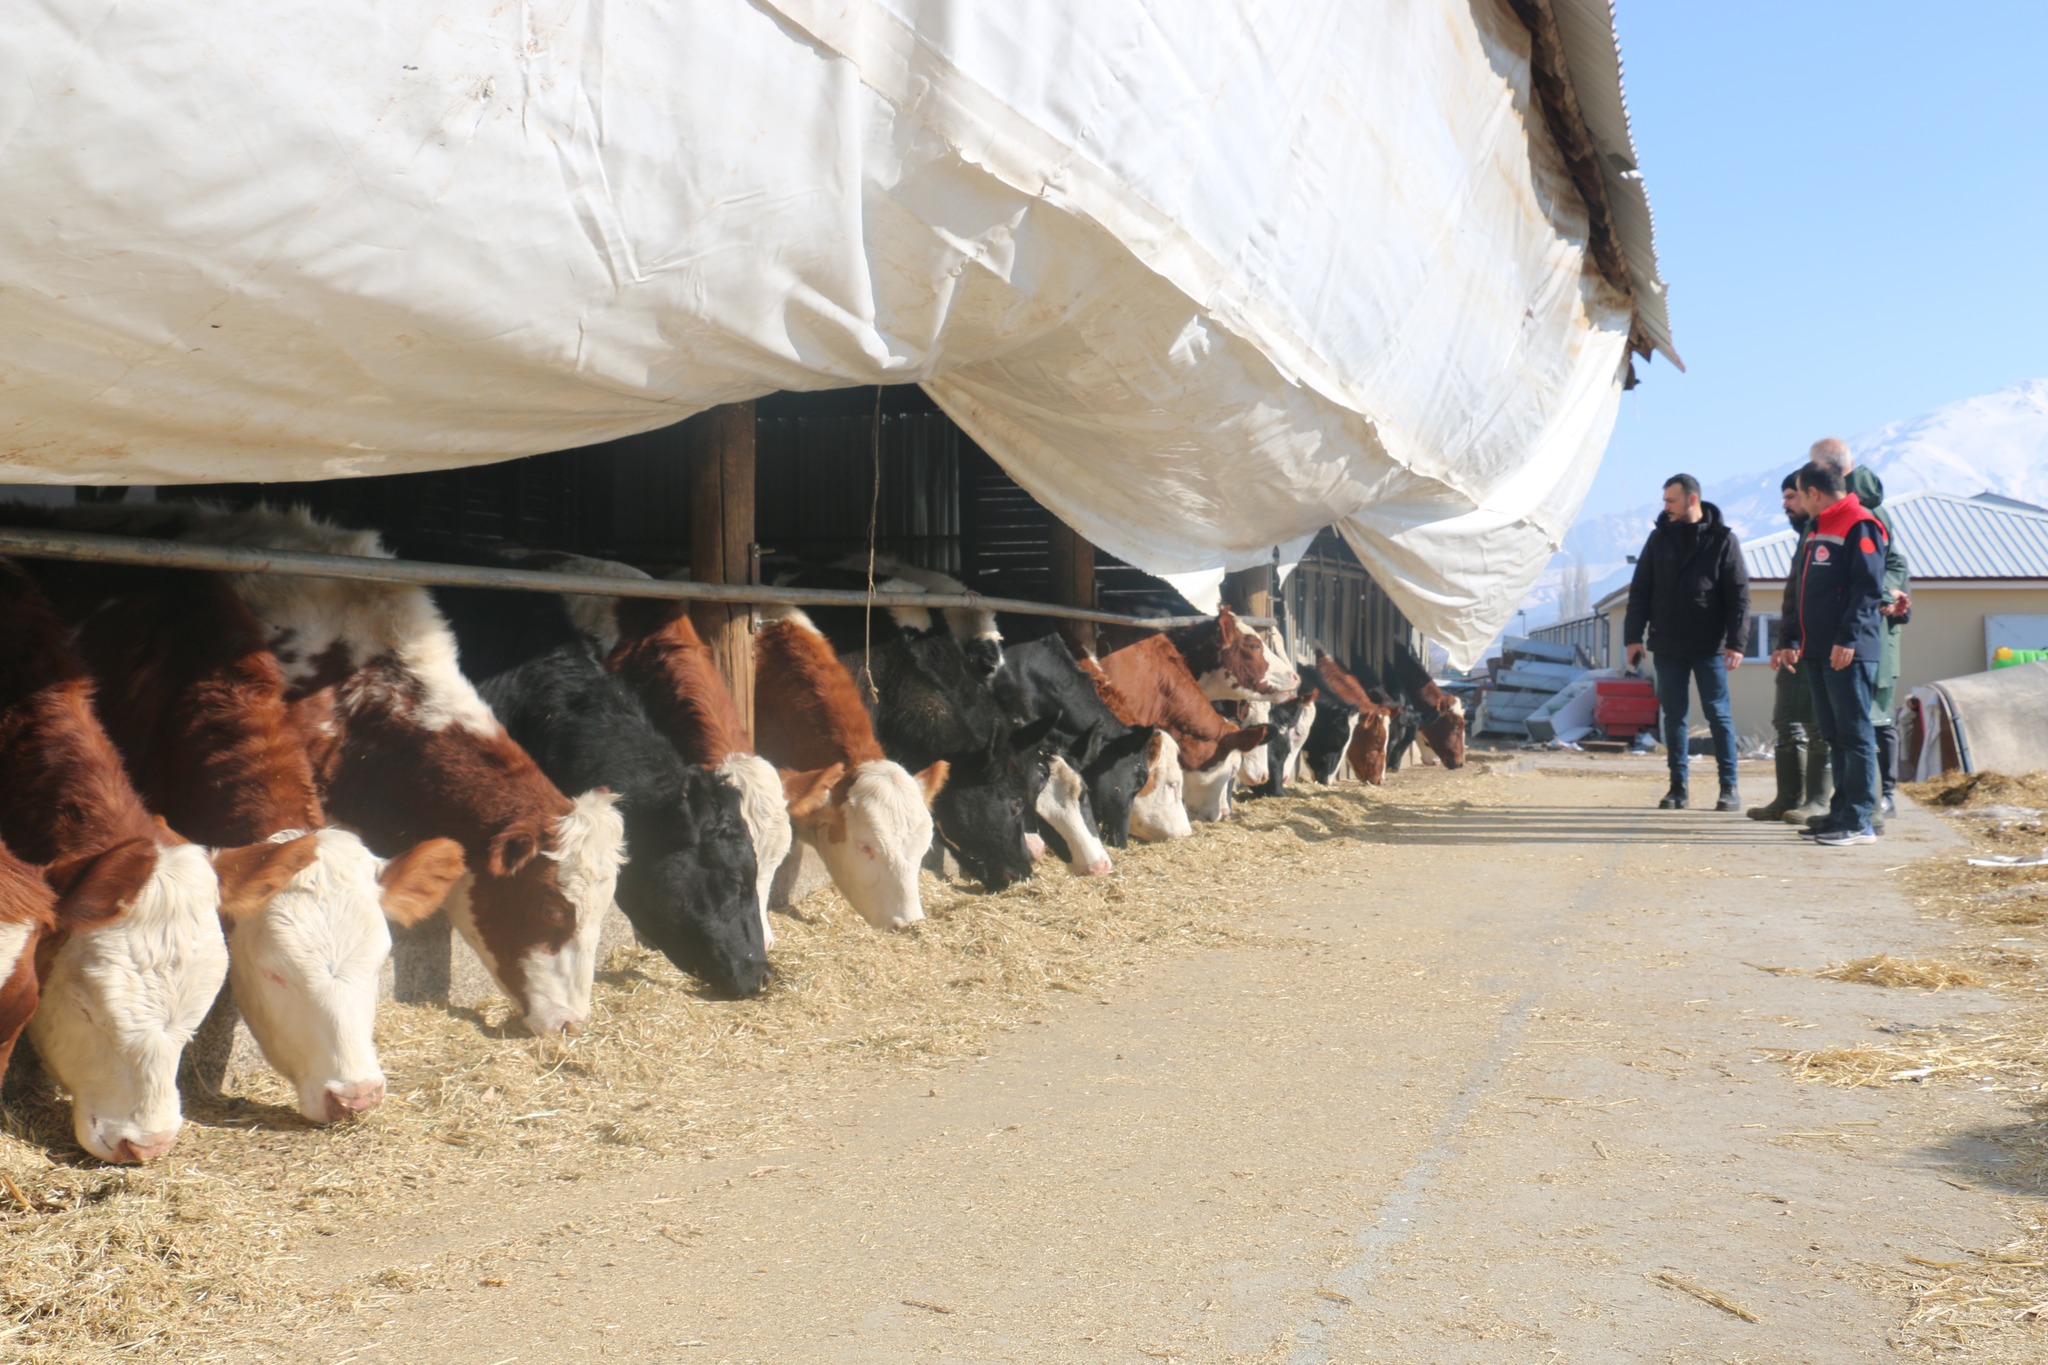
(1898, 606)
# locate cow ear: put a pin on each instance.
(251, 875)
(805, 792)
(933, 780)
(99, 887)
(511, 850)
(414, 883)
(1032, 735)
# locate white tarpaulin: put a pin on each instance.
(1203, 275)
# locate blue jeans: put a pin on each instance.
(1675, 675)
(1841, 709)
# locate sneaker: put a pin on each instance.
(1888, 807)
(1842, 838)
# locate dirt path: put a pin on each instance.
(1494, 1074)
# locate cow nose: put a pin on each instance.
(1034, 845)
(353, 1099)
(1098, 868)
(148, 1147)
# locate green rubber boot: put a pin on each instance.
(1820, 784)
(1791, 785)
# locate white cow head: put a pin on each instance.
(1158, 812)
(1283, 679)
(765, 809)
(1297, 738)
(872, 827)
(305, 968)
(1063, 805)
(588, 848)
(1208, 791)
(125, 992)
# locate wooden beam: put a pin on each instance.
(1073, 583)
(1250, 591)
(719, 445)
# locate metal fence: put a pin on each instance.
(1586, 633)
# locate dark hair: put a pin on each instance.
(1791, 481)
(1685, 481)
(1819, 478)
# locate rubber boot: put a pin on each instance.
(1791, 785)
(1820, 784)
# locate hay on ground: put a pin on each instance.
(182, 1258)
(1886, 970)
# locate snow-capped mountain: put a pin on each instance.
(1993, 443)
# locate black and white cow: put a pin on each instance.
(1291, 721)
(688, 883)
(1038, 678)
(973, 629)
(929, 705)
(1329, 734)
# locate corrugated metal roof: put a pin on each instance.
(1593, 56)
(1944, 536)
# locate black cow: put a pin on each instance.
(688, 884)
(1039, 677)
(929, 705)
(1282, 718)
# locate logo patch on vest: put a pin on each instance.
(1820, 554)
(1865, 546)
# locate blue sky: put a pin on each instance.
(1852, 212)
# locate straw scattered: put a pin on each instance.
(1703, 1294)
(1886, 970)
(182, 1258)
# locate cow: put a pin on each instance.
(1232, 662)
(1255, 772)
(973, 629)
(1040, 677)
(1366, 751)
(867, 817)
(195, 703)
(1440, 717)
(28, 914)
(1290, 722)
(1324, 747)
(688, 884)
(133, 954)
(929, 706)
(653, 645)
(1154, 680)
(405, 749)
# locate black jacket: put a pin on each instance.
(1691, 589)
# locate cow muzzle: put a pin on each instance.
(134, 1151)
(353, 1099)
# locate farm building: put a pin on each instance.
(444, 243)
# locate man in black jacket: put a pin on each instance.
(1691, 597)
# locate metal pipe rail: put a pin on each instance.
(94, 548)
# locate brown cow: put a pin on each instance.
(1233, 662)
(134, 954)
(405, 750)
(1155, 684)
(868, 819)
(195, 702)
(28, 912)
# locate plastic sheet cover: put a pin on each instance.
(1202, 275)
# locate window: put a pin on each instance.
(1763, 628)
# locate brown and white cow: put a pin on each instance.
(1233, 662)
(195, 702)
(868, 818)
(655, 647)
(405, 750)
(1153, 680)
(1442, 716)
(1367, 751)
(28, 912)
(133, 956)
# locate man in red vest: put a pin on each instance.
(1834, 621)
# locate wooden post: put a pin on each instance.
(719, 445)
(1249, 592)
(1073, 583)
